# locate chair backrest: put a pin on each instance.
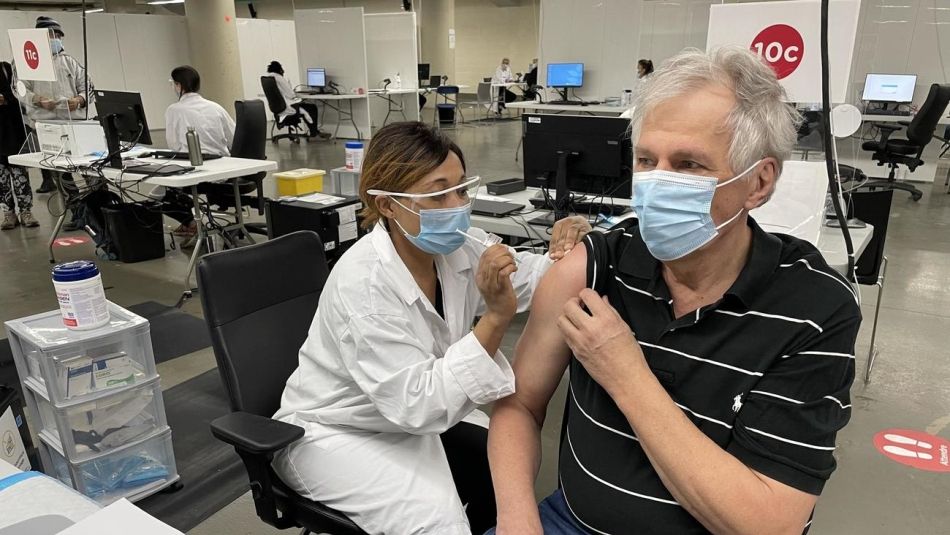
(874, 208)
(484, 92)
(250, 130)
(922, 127)
(257, 326)
(275, 101)
(447, 90)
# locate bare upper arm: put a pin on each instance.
(541, 355)
(796, 505)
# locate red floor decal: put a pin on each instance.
(914, 448)
(69, 242)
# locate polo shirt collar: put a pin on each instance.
(752, 280)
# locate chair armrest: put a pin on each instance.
(886, 130)
(255, 434)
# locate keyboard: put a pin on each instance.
(575, 102)
(898, 113)
(155, 169)
(582, 207)
(174, 155)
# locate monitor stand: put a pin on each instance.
(113, 149)
(562, 195)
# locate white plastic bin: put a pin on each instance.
(134, 471)
(86, 429)
(343, 181)
(69, 365)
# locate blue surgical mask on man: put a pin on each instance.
(438, 227)
(56, 45)
(673, 211)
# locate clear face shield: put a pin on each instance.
(461, 194)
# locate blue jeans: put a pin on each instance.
(556, 519)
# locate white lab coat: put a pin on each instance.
(70, 82)
(381, 375)
(290, 98)
(503, 75)
(214, 126)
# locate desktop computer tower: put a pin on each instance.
(335, 219)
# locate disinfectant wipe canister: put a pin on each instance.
(82, 301)
(354, 155)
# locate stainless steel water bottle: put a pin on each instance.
(194, 147)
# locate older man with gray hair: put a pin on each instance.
(710, 361)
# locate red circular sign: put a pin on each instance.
(31, 55)
(782, 47)
(914, 448)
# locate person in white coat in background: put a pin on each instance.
(215, 129)
(307, 110)
(503, 75)
(395, 365)
(62, 99)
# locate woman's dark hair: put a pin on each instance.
(398, 156)
(275, 67)
(647, 65)
(188, 78)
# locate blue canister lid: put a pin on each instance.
(354, 144)
(77, 270)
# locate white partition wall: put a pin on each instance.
(148, 67)
(262, 41)
(602, 34)
(390, 49)
(126, 52)
(335, 40)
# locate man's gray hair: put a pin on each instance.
(761, 124)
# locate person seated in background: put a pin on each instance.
(395, 365)
(503, 75)
(307, 110)
(215, 129)
(710, 361)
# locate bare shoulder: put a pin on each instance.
(568, 276)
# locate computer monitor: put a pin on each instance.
(316, 77)
(423, 74)
(122, 117)
(584, 154)
(563, 75)
(889, 87)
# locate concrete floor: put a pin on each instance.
(868, 493)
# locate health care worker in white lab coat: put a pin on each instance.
(62, 99)
(307, 110)
(215, 129)
(503, 75)
(393, 370)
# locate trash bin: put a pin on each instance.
(446, 113)
(135, 230)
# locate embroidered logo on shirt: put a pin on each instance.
(737, 403)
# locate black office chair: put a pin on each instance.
(277, 105)
(920, 130)
(256, 332)
(250, 140)
(874, 208)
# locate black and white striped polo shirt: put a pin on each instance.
(764, 372)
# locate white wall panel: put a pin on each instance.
(151, 46)
(391, 49)
(335, 39)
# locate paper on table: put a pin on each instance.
(320, 198)
(120, 518)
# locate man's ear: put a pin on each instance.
(763, 177)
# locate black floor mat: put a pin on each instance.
(174, 333)
(211, 472)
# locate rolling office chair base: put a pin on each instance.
(293, 137)
(915, 193)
